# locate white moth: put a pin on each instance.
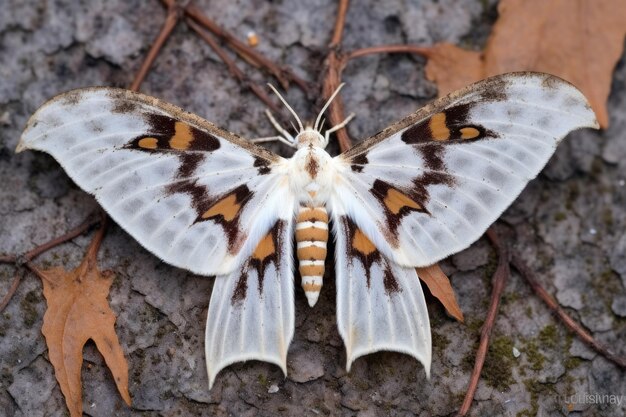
(204, 199)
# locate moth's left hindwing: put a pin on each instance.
(197, 196)
(380, 304)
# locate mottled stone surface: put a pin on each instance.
(569, 224)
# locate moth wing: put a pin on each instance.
(380, 304)
(431, 184)
(189, 192)
(251, 313)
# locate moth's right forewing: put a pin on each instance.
(195, 195)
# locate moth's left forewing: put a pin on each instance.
(251, 312)
(431, 184)
(380, 304)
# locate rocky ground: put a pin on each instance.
(568, 224)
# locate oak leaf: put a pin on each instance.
(439, 285)
(77, 311)
(578, 40)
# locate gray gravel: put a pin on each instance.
(569, 224)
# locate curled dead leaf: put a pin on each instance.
(439, 285)
(580, 41)
(77, 311)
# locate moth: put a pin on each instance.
(206, 200)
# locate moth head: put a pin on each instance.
(309, 135)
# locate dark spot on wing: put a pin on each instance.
(450, 126)
(241, 289)
(389, 281)
(262, 165)
(123, 106)
(359, 162)
(72, 98)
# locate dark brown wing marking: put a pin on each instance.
(398, 203)
(449, 125)
(168, 134)
(358, 162)
(266, 252)
(430, 138)
(360, 247)
(189, 144)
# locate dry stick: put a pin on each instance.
(173, 15)
(334, 65)
(528, 275)
(283, 75)
(391, 49)
(232, 67)
(499, 280)
(77, 231)
(28, 256)
(14, 285)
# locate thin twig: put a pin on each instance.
(528, 275)
(173, 15)
(390, 49)
(14, 285)
(334, 65)
(283, 75)
(499, 281)
(232, 67)
(28, 256)
(340, 24)
(77, 231)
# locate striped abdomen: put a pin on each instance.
(311, 237)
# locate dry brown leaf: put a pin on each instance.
(77, 311)
(439, 285)
(578, 40)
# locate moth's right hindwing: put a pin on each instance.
(194, 195)
(251, 313)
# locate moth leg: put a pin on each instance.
(288, 138)
(337, 127)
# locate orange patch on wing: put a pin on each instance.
(361, 243)
(395, 200)
(469, 133)
(265, 248)
(182, 136)
(227, 207)
(148, 143)
(438, 127)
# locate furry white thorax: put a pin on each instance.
(311, 171)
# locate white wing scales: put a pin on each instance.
(430, 185)
(251, 313)
(380, 304)
(189, 192)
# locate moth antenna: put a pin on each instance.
(287, 105)
(322, 124)
(319, 116)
